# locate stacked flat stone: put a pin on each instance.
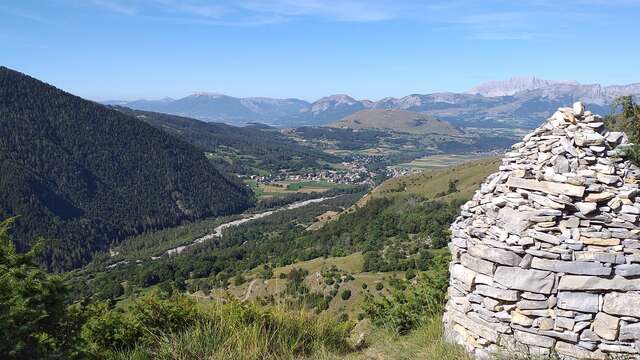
(546, 256)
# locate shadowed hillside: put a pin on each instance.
(84, 175)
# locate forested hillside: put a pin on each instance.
(83, 175)
(237, 149)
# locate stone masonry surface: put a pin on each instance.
(546, 256)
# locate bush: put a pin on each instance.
(625, 116)
(379, 286)
(238, 280)
(410, 274)
(403, 311)
(34, 320)
(108, 331)
(237, 330)
(267, 272)
(364, 286)
(346, 294)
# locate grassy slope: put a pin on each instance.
(424, 343)
(431, 184)
(351, 264)
(467, 176)
(398, 120)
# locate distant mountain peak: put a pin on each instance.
(338, 99)
(515, 85)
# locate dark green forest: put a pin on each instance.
(246, 148)
(83, 175)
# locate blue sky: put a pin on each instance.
(117, 49)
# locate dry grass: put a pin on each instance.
(468, 177)
(424, 343)
(234, 331)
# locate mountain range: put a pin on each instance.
(519, 102)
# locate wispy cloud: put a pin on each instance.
(256, 11)
(493, 25)
(193, 8)
(339, 10)
(490, 20)
(115, 6)
(25, 15)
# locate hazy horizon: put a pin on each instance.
(125, 50)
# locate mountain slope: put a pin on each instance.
(515, 85)
(83, 175)
(590, 93)
(221, 108)
(399, 121)
(253, 148)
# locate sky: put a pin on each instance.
(118, 49)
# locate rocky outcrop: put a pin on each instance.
(546, 256)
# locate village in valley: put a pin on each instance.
(354, 172)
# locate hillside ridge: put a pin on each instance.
(398, 120)
(83, 175)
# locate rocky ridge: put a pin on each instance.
(546, 256)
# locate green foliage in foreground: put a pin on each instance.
(426, 342)
(408, 307)
(625, 116)
(156, 326)
(34, 321)
(245, 331)
(179, 328)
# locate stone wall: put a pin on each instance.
(546, 256)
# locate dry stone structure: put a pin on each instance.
(546, 256)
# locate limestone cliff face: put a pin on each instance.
(546, 256)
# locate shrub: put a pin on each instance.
(625, 116)
(410, 274)
(364, 286)
(237, 330)
(267, 272)
(238, 280)
(108, 331)
(346, 294)
(379, 286)
(34, 320)
(403, 311)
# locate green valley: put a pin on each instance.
(348, 269)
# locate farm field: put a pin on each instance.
(290, 187)
(440, 161)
